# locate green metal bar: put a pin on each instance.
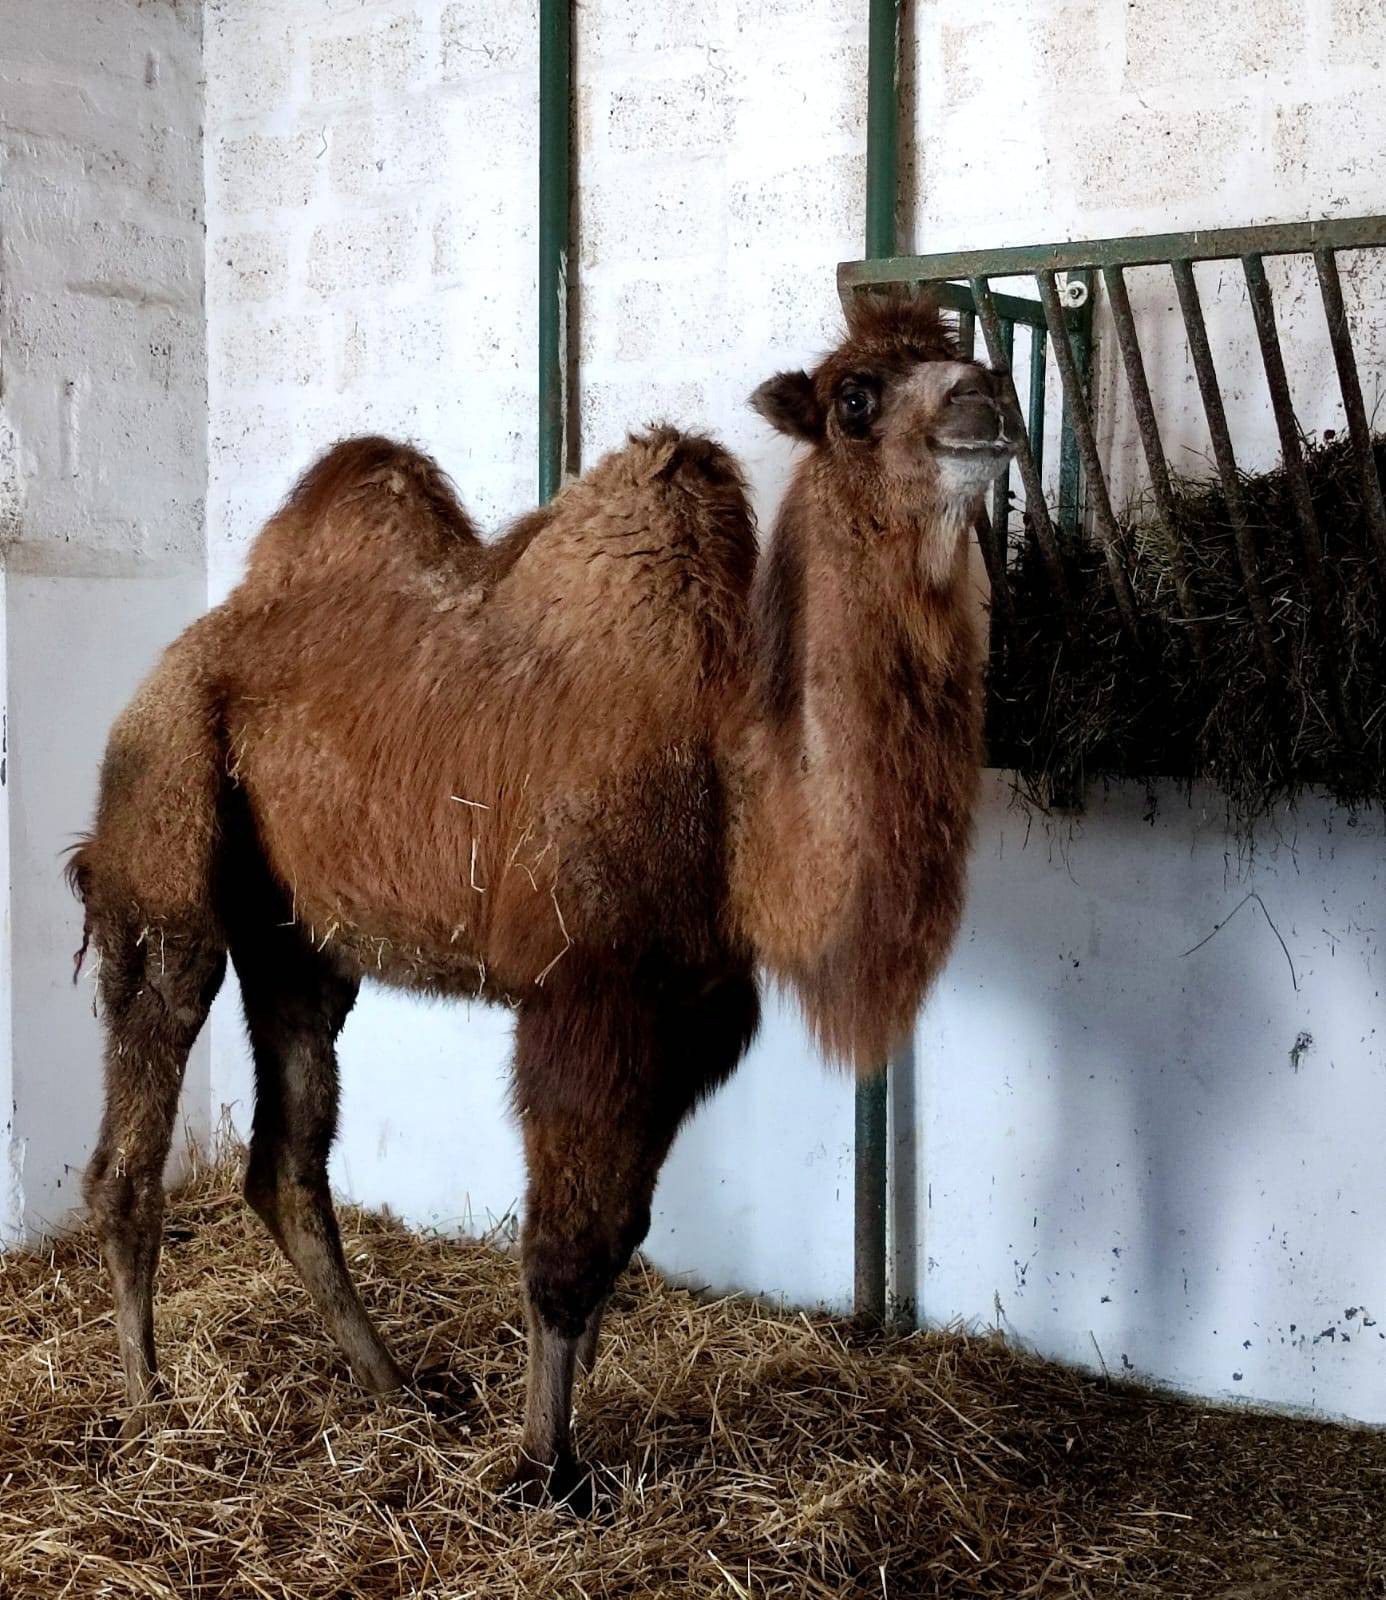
(1001, 488)
(1340, 335)
(882, 126)
(1039, 365)
(1321, 618)
(1070, 456)
(1201, 353)
(1013, 421)
(1013, 307)
(1143, 406)
(871, 1175)
(1208, 244)
(555, 174)
(1076, 404)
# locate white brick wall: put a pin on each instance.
(371, 205)
(101, 260)
(103, 467)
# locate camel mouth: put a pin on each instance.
(973, 449)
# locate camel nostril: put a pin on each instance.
(975, 386)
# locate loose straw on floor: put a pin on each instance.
(749, 1452)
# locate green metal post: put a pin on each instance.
(882, 127)
(882, 195)
(1070, 463)
(555, 169)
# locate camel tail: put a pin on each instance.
(367, 497)
(77, 872)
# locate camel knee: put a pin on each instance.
(569, 1273)
(125, 1209)
(567, 1279)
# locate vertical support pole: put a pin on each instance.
(1039, 364)
(1001, 489)
(1202, 354)
(882, 127)
(555, 171)
(1373, 501)
(1070, 459)
(870, 1187)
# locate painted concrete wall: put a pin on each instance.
(102, 483)
(1143, 1122)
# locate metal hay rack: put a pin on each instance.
(1060, 317)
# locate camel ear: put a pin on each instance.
(788, 402)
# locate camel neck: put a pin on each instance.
(862, 760)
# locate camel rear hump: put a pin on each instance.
(368, 503)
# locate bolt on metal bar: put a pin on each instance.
(1114, 280)
(1070, 458)
(1001, 487)
(1036, 510)
(1340, 336)
(555, 224)
(1292, 456)
(1086, 443)
(1039, 364)
(1194, 327)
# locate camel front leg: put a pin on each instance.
(604, 1076)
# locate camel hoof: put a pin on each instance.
(567, 1485)
(129, 1431)
(447, 1396)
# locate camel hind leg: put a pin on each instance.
(156, 983)
(295, 1005)
(146, 879)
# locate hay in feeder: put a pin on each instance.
(752, 1452)
(1071, 706)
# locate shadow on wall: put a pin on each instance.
(1138, 1154)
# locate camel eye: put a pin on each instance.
(858, 401)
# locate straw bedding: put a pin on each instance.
(752, 1452)
(1072, 704)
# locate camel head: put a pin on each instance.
(904, 434)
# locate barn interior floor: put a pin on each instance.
(748, 1452)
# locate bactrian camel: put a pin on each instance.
(601, 770)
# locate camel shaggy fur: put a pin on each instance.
(599, 771)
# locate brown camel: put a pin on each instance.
(597, 771)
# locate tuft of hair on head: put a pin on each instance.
(789, 402)
(900, 314)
